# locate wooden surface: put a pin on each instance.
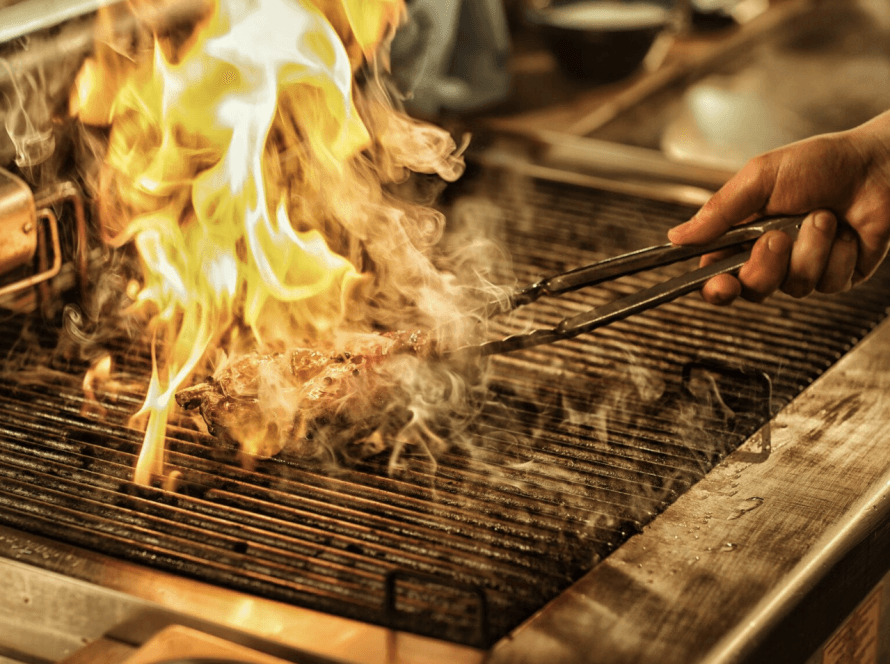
(702, 572)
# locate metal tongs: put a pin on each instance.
(627, 264)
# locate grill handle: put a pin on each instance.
(392, 578)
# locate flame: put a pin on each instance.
(98, 373)
(236, 167)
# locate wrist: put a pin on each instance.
(871, 141)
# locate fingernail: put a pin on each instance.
(774, 244)
(677, 231)
(823, 221)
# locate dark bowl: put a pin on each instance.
(600, 40)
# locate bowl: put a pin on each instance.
(600, 40)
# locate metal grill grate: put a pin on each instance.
(579, 445)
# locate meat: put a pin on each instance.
(331, 402)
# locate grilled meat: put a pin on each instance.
(308, 399)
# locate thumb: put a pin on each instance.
(737, 201)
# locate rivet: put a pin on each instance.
(27, 227)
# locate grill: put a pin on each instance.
(577, 446)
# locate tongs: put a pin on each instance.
(627, 264)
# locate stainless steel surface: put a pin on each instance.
(24, 229)
(46, 616)
(181, 644)
(104, 650)
(67, 193)
(721, 570)
(592, 414)
(27, 18)
(45, 272)
(37, 598)
(28, 223)
(203, 660)
(42, 46)
(18, 223)
(863, 517)
(30, 17)
(598, 164)
(685, 72)
(52, 614)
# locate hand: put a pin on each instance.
(842, 182)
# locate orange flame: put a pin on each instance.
(230, 159)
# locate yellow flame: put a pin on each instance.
(188, 175)
(98, 373)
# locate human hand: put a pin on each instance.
(841, 181)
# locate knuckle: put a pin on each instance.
(759, 163)
(832, 286)
(798, 288)
(757, 289)
(753, 296)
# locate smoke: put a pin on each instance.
(275, 198)
(30, 131)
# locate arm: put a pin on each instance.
(841, 180)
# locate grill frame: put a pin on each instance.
(129, 603)
(584, 443)
(130, 578)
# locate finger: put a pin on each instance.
(874, 241)
(809, 255)
(743, 196)
(838, 274)
(762, 275)
(722, 290)
(715, 256)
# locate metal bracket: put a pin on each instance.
(394, 576)
(29, 226)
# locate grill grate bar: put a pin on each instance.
(323, 569)
(293, 533)
(648, 331)
(564, 490)
(43, 457)
(485, 482)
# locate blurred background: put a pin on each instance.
(703, 82)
